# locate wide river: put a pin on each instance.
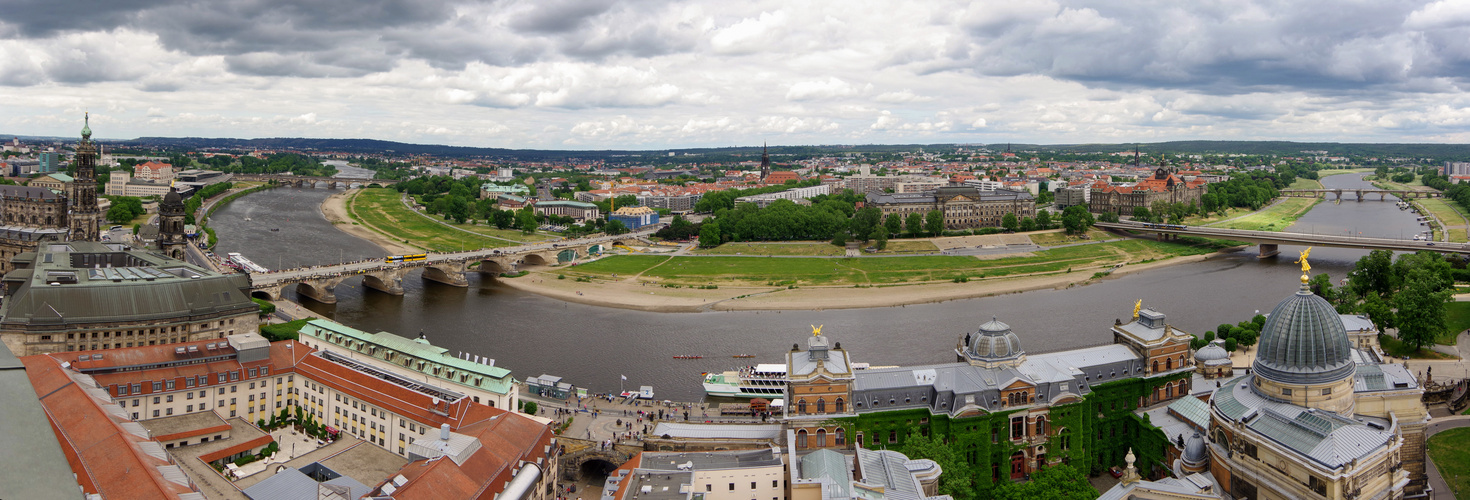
(592, 346)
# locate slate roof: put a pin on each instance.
(41, 471)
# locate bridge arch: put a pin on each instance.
(534, 259)
(565, 256)
(492, 266)
(272, 293)
(594, 249)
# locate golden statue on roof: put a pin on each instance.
(1137, 307)
(1303, 261)
(817, 330)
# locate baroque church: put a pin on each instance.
(34, 215)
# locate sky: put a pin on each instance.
(597, 74)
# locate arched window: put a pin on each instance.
(801, 406)
(821, 406)
(1041, 426)
(841, 437)
(1168, 391)
(801, 439)
(841, 407)
(1169, 364)
(1156, 365)
(821, 438)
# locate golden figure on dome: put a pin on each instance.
(817, 330)
(1137, 307)
(1303, 261)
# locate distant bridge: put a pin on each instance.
(306, 181)
(319, 283)
(1268, 240)
(1361, 193)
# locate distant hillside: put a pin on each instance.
(1459, 152)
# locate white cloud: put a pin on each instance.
(598, 74)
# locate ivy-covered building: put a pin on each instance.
(1010, 413)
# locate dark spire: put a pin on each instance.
(765, 162)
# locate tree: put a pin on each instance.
(529, 407)
(1231, 344)
(1009, 222)
(839, 239)
(915, 224)
(1141, 214)
(709, 235)
(958, 479)
(504, 219)
(615, 226)
(880, 239)
(526, 220)
(1043, 219)
(1378, 311)
(1028, 224)
(934, 222)
(1057, 482)
(1076, 219)
(1421, 308)
(1373, 272)
(894, 224)
(863, 222)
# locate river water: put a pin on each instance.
(592, 346)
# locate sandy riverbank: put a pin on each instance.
(631, 294)
(334, 208)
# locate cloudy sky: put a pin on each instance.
(580, 74)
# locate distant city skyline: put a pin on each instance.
(596, 74)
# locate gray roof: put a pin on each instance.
(995, 341)
(828, 464)
(711, 460)
(1304, 342)
(1322, 436)
(292, 484)
(28, 192)
(718, 431)
(96, 283)
(36, 468)
(1212, 352)
(894, 472)
(1194, 410)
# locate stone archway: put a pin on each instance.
(266, 294)
(565, 256)
(533, 259)
(492, 266)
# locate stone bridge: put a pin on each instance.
(580, 452)
(304, 181)
(1361, 193)
(320, 283)
(1269, 240)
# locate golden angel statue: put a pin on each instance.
(1303, 260)
(817, 330)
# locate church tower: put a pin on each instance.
(83, 216)
(171, 225)
(765, 163)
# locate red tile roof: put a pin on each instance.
(106, 458)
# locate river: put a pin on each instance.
(592, 346)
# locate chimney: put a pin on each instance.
(443, 432)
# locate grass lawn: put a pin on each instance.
(910, 246)
(860, 271)
(1451, 453)
(1305, 183)
(1061, 238)
(620, 264)
(801, 249)
(1447, 214)
(1325, 173)
(1457, 320)
(1396, 349)
(1275, 218)
(380, 209)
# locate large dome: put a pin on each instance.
(995, 342)
(1304, 342)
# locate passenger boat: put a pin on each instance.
(689, 356)
(743, 356)
(762, 380)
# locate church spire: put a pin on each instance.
(87, 127)
(765, 161)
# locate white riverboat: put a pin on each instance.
(759, 381)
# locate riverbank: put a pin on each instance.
(629, 293)
(334, 208)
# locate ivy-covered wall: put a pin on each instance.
(1091, 435)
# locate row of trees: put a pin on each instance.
(1408, 294)
(961, 481)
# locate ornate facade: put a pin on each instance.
(85, 220)
(171, 240)
(964, 207)
(818, 390)
(34, 215)
(1165, 186)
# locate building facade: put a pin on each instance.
(171, 233)
(577, 210)
(1164, 186)
(86, 296)
(1009, 412)
(819, 389)
(963, 207)
(634, 217)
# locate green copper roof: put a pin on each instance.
(87, 126)
(491, 378)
